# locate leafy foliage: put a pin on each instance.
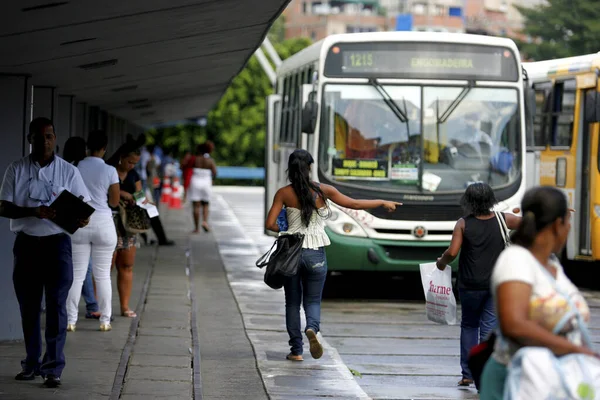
(561, 28)
(237, 122)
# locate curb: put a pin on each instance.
(250, 257)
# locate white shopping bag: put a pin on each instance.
(439, 296)
(536, 373)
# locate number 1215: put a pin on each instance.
(361, 59)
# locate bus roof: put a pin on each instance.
(314, 51)
(542, 70)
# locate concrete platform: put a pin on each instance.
(208, 328)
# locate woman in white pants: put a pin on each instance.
(99, 239)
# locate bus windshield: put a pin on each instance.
(447, 138)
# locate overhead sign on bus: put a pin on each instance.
(359, 169)
(421, 60)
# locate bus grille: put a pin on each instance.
(415, 253)
(429, 212)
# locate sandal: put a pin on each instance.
(316, 349)
(294, 357)
(465, 382)
(129, 314)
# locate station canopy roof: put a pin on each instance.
(148, 61)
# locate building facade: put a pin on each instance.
(317, 19)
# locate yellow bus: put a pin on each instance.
(562, 143)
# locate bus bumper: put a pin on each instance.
(349, 253)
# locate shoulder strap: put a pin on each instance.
(316, 194)
(503, 229)
(504, 226)
(264, 260)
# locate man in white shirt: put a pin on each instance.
(42, 250)
(141, 167)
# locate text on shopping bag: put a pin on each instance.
(440, 303)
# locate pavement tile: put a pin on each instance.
(150, 388)
(147, 360)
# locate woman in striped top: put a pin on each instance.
(306, 206)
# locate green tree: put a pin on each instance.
(236, 124)
(277, 32)
(561, 28)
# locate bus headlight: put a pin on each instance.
(343, 224)
(597, 210)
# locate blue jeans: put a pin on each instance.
(478, 321)
(91, 305)
(305, 288)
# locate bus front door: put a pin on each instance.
(272, 151)
(584, 208)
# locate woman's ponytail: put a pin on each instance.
(299, 175)
(541, 206)
(525, 233)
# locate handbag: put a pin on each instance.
(134, 219)
(503, 229)
(479, 356)
(282, 260)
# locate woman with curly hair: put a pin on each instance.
(479, 239)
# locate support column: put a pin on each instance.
(81, 120)
(15, 116)
(45, 102)
(94, 118)
(64, 122)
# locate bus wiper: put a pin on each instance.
(401, 115)
(461, 96)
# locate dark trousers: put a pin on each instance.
(158, 229)
(43, 264)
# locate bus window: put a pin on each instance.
(285, 108)
(295, 109)
(541, 117)
(289, 137)
(563, 115)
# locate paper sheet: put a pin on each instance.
(150, 208)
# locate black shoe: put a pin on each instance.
(92, 316)
(52, 381)
(26, 375)
(167, 243)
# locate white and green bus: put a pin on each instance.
(412, 117)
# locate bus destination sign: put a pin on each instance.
(360, 169)
(421, 60)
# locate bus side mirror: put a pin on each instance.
(592, 107)
(310, 113)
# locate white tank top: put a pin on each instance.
(314, 234)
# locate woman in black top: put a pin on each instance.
(124, 160)
(479, 239)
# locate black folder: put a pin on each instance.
(69, 210)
